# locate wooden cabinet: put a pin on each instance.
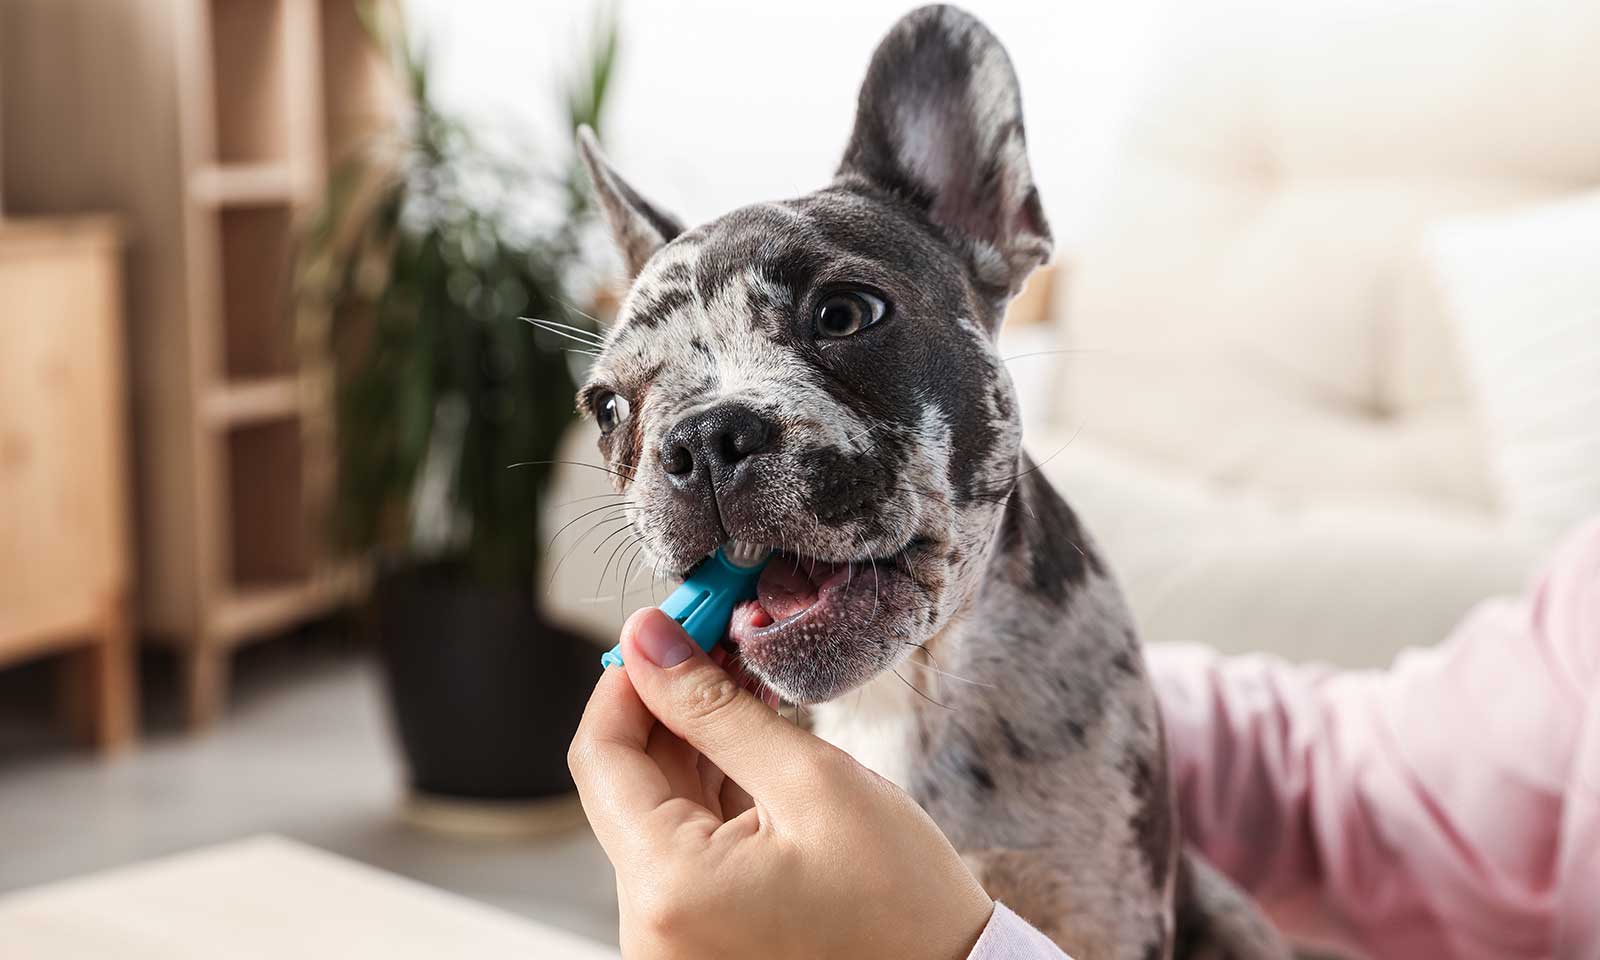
(209, 127)
(64, 570)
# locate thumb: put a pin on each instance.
(703, 705)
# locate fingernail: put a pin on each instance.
(663, 642)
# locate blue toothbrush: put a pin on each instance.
(705, 602)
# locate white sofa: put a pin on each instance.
(1281, 447)
(1273, 433)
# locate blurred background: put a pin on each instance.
(299, 551)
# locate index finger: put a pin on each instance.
(617, 781)
(770, 758)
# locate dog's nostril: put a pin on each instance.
(677, 460)
(739, 434)
(742, 437)
(728, 449)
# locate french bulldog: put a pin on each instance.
(819, 376)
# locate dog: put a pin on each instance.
(819, 375)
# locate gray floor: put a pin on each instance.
(303, 752)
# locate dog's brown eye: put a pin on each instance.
(848, 311)
(610, 410)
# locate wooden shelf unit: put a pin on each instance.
(210, 126)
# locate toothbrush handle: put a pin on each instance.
(704, 603)
(703, 612)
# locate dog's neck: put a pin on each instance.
(1040, 619)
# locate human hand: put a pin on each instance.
(798, 851)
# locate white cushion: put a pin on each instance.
(1251, 302)
(1244, 573)
(1523, 289)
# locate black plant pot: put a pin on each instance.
(485, 694)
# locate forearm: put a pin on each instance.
(1243, 736)
(1427, 809)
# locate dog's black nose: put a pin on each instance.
(717, 439)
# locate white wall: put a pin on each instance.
(724, 102)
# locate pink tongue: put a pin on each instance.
(784, 590)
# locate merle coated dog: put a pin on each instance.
(820, 375)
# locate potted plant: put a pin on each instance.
(420, 271)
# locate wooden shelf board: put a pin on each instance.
(31, 235)
(245, 184)
(42, 642)
(253, 401)
(253, 612)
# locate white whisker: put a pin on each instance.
(851, 440)
(545, 326)
(557, 324)
(574, 308)
(932, 669)
(874, 615)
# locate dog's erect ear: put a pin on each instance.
(939, 124)
(639, 227)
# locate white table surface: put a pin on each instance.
(266, 897)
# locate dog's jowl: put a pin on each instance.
(819, 375)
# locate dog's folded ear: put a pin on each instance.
(939, 125)
(639, 227)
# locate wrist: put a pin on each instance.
(965, 928)
(984, 914)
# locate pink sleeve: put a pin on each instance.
(1009, 937)
(1446, 807)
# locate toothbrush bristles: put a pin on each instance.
(742, 554)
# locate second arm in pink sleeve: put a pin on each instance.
(1447, 807)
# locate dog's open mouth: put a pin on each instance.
(792, 591)
(807, 612)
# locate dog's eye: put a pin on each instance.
(610, 410)
(846, 312)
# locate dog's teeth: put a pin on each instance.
(743, 554)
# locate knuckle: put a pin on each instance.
(667, 919)
(831, 766)
(660, 912)
(663, 909)
(575, 755)
(788, 859)
(709, 696)
(580, 756)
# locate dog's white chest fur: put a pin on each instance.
(876, 725)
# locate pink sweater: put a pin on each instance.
(1448, 807)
